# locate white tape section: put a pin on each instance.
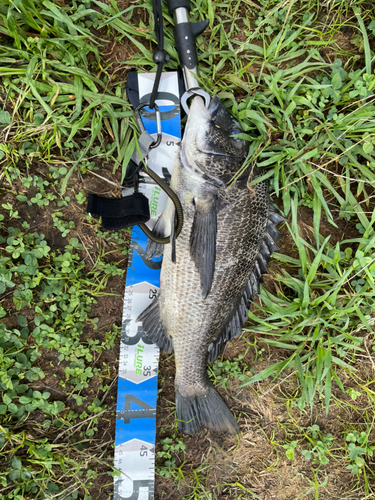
(138, 364)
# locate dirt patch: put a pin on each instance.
(102, 386)
(257, 461)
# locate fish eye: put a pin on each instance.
(235, 131)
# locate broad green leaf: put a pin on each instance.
(336, 81)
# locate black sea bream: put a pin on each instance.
(212, 270)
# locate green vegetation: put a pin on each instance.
(300, 77)
(57, 296)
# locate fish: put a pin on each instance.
(211, 272)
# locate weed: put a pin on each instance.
(63, 226)
(224, 370)
(290, 447)
(358, 448)
(320, 445)
(170, 447)
(320, 323)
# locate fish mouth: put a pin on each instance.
(212, 109)
(198, 111)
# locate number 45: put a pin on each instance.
(143, 451)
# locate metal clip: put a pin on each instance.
(138, 118)
(195, 91)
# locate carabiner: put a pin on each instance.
(137, 110)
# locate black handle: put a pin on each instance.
(185, 35)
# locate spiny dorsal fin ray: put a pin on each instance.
(275, 217)
(270, 241)
(262, 262)
(153, 327)
(235, 325)
(203, 242)
(273, 231)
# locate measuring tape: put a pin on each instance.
(139, 359)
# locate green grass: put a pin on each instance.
(300, 77)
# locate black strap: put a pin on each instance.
(128, 211)
(131, 170)
(118, 213)
(159, 57)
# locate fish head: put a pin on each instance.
(211, 146)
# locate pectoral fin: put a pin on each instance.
(165, 226)
(203, 242)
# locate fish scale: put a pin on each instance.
(206, 315)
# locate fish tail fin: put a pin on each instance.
(208, 410)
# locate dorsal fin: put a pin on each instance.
(239, 316)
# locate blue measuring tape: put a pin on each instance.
(139, 359)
